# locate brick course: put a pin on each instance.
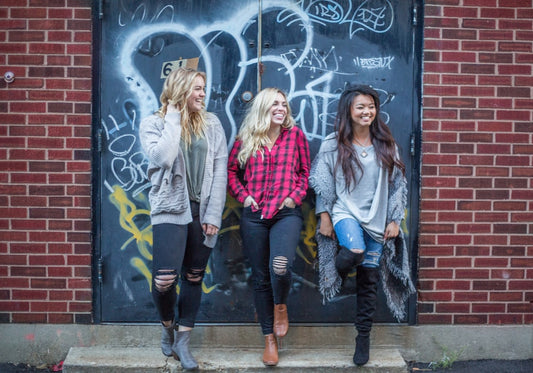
(475, 245)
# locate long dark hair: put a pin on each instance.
(380, 135)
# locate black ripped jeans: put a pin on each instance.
(270, 246)
(180, 249)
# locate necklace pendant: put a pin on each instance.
(364, 154)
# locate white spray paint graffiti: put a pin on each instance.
(374, 63)
(372, 15)
(315, 98)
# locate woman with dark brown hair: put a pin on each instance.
(361, 197)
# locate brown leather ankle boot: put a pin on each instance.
(281, 320)
(270, 355)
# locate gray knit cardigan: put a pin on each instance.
(169, 198)
(394, 265)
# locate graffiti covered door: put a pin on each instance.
(309, 48)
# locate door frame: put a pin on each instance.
(415, 152)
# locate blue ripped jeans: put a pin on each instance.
(352, 236)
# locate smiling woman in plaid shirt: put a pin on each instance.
(268, 170)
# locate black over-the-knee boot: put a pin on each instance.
(367, 294)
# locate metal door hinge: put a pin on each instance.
(412, 141)
(99, 140)
(415, 15)
(101, 9)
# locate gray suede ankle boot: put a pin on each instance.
(167, 339)
(180, 350)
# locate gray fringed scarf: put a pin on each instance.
(394, 265)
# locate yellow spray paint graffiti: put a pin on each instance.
(308, 235)
(232, 207)
(205, 288)
(128, 212)
(140, 265)
(143, 237)
(130, 216)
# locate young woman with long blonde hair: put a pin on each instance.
(273, 156)
(187, 150)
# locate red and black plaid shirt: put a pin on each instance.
(282, 172)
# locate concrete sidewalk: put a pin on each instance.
(146, 360)
(469, 366)
(48, 344)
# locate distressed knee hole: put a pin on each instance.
(195, 275)
(279, 265)
(165, 279)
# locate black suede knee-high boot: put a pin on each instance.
(367, 294)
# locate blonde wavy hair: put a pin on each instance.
(254, 129)
(177, 89)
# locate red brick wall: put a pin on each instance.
(476, 228)
(476, 221)
(45, 161)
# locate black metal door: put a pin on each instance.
(310, 49)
